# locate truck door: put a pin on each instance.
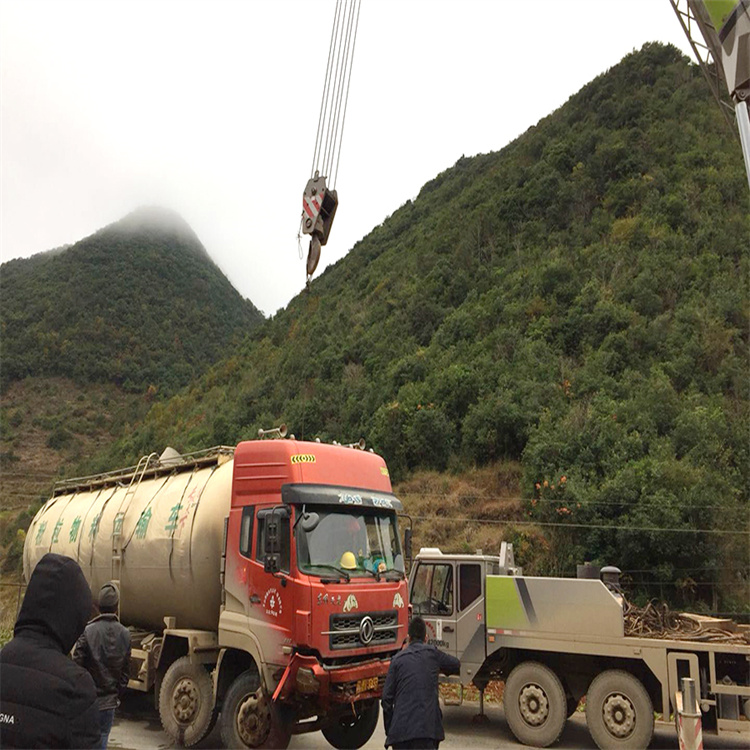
(432, 599)
(470, 633)
(271, 606)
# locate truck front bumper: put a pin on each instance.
(306, 676)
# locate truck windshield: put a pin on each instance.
(360, 542)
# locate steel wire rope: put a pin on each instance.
(328, 89)
(346, 98)
(331, 118)
(346, 63)
(323, 97)
(613, 527)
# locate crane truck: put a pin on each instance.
(263, 584)
(554, 640)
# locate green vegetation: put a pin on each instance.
(139, 304)
(572, 309)
(576, 302)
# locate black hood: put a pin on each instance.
(58, 601)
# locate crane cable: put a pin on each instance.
(335, 97)
(332, 117)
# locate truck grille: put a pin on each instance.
(346, 630)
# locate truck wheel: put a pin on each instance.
(350, 732)
(619, 712)
(535, 705)
(248, 718)
(186, 702)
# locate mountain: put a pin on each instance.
(577, 302)
(138, 303)
(569, 315)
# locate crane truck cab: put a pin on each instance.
(554, 640)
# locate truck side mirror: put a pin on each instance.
(271, 563)
(271, 543)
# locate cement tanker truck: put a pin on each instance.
(263, 584)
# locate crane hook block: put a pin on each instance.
(318, 208)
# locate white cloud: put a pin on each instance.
(211, 108)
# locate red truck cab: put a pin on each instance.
(314, 585)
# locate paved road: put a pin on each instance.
(137, 727)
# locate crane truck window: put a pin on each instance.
(469, 585)
(432, 593)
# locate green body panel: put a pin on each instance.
(504, 606)
(719, 10)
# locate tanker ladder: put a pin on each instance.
(135, 481)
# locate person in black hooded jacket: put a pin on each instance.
(46, 700)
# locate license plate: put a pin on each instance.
(366, 684)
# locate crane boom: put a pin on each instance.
(723, 53)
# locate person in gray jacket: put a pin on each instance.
(411, 709)
(104, 651)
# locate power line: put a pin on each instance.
(610, 527)
(693, 570)
(692, 583)
(582, 503)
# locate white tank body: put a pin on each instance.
(171, 535)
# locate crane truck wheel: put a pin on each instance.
(350, 732)
(248, 717)
(186, 702)
(535, 704)
(619, 712)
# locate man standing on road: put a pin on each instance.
(411, 709)
(45, 699)
(104, 650)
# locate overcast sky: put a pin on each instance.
(211, 109)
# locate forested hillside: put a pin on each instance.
(90, 336)
(139, 303)
(577, 302)
(572, 309)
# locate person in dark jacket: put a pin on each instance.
(411, 709)
(46, 700)
(104, 650)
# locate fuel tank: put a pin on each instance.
(158, 530)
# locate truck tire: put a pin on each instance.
(619, 712)
(535, 704)
(249, 719)
(186, 702)
(351, 732)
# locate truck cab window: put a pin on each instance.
(260, 541)
(432, 593)
(246, 531)
(469, 585)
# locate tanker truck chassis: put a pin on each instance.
(554, 640)
(263, 584)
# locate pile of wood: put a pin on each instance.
(656, 620)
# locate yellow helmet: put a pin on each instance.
(348, 561)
